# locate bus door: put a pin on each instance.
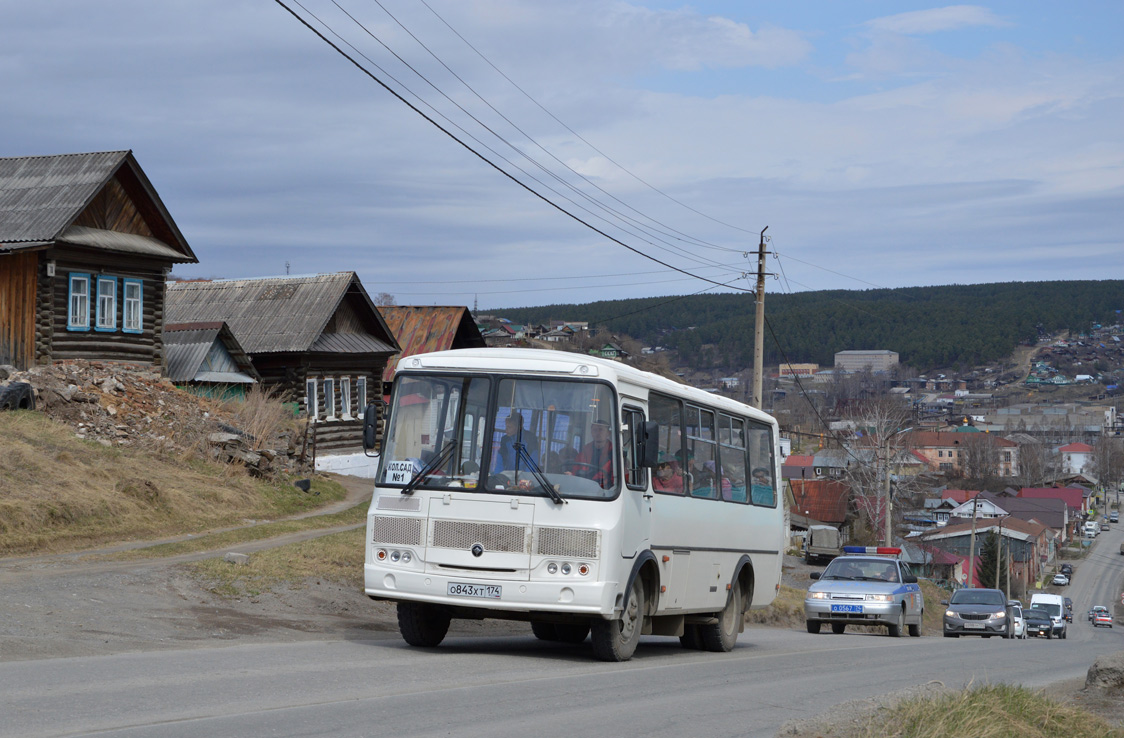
(636, 495)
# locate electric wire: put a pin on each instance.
(669, 232)
(578, 135)
(476, 153)
(577, 191)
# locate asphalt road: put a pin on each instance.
(518, 686)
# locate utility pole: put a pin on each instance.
(972, 545)
(889, 534)
(999, 554)
(759, 327)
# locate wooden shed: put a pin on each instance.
(317, 340)
(206, 359)
(85, 247)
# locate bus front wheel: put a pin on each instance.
(422, 624)
(616, 640)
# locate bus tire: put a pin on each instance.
(422, 624)
(544, 631)
(691, 638)
(724, 634)
(616, 640)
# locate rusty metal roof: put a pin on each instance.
(41, 196)
(421, 329)
(286, 314)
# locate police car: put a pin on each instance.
(867, 585)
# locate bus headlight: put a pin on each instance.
(395, 556)
(566, 569)
(552, 568)
(406, 557)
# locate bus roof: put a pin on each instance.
(567, 364)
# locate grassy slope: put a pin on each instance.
(59, 493)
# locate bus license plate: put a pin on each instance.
(487, 591)
(846, 608)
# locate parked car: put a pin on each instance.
(1060, 579)
(1102, 617)
(1096, 609)
(1038, 622)
(871, 589)
(1018, 622)
(977, 611)
(1067, 569)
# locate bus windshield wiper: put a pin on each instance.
(432, 466)
(521, 452)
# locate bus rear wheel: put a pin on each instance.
(616, 640)
(722, 636)
(422, 624)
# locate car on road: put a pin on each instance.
(1102, 617)
(1018, 622)
(1053, 604)
(1104, 525)
(1038, 622)
(865, 586)
(1114, 517)
(977, 611)
(1095, 609)
(1068, 610)
(1060, 579)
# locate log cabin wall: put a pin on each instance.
(18, 291)
(145, 347)
(287, 376)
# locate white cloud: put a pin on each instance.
(948, 18)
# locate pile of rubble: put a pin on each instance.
(135, 406)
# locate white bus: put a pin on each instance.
(575, 493)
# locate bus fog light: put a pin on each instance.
(380, 555)
(552, 568)
(565, 568)
(395, 556)
(583, 569)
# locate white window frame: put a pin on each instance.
(361, 395)
(78, 303)
(311, 399)
(329, 398)
(345, 398)
(106, 314)
(132, 318)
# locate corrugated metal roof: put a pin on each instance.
(41, 196)
(187, 346)
(422, 329)
(280, 314)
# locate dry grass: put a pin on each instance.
(60, 493)
(994, 711)
(337, 558)
(263, 415)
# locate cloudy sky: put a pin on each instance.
(884, 144)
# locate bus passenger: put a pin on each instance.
(668, 477)
(595, 461)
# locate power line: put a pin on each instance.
(480, 156)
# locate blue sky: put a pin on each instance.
(884, 144)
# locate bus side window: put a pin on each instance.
(670, 472)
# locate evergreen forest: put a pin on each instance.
(953, 326)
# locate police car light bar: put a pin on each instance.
(888, 550)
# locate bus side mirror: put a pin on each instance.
(371, 426)
(649, 445)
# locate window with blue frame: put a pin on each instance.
(78, 303)
(107, 304)
(132, 320)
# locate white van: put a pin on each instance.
(1092, 528)
(1055, 605)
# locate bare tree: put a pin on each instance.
(1108, 461)
(876, 455)
(384, 299)
(980, 457)
(1036, 464)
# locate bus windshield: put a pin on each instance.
(545, 437)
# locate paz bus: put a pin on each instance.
(587, 497)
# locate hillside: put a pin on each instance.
(929, 327)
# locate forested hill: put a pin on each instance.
(929, 327)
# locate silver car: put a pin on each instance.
(976, 611)
(865, 589)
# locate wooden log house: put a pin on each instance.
(85, 247)
(316, 340)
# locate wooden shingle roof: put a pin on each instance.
(329, 313)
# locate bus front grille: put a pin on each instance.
(397, 530)
(567, 542)
(460, 534)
